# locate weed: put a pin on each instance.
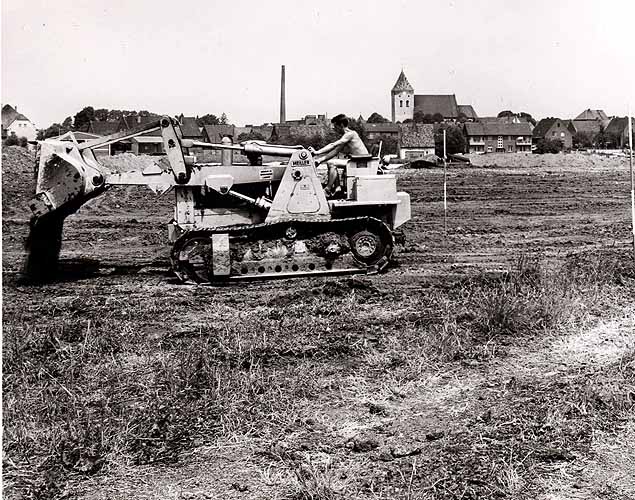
(316, 482)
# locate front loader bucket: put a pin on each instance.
(65, 181)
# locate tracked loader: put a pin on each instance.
(231, 221)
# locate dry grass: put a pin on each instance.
(92, 382)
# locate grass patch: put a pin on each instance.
(92, 380)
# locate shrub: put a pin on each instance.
(12, 140)
(549, 146)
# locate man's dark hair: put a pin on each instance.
(340, 120)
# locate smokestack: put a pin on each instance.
(283, 109)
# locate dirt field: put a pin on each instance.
(494, 361)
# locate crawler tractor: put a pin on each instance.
(231, 221)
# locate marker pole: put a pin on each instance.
(445, 187)
(630, 148)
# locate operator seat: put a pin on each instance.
(358, 165)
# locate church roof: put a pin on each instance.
(402, 84)
(467, 110)
(432, 104)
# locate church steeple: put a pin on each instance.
(402, 84)
(402, 99)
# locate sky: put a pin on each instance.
(342, 56)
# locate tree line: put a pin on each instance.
(80, 122)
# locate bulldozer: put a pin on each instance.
(232, 221)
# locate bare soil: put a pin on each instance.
(121, 383)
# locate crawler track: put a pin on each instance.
(285, 249)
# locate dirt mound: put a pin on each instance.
(18, 180)
(558, 161)
(127, 161)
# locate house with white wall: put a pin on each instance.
(16, 123)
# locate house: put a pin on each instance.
(554, 129)
(416, 141)
(81, 137)
(499, 137)
(591, 128)
(215, 133)
(150, 143)
(617, 132)
(504, 119)
(308, 120)
(379, 130)
(593, 114)
(405, 103)
(190, 128)
(16, 123)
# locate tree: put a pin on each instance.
(549, 146)
(358, 126)
(437, 118)
(506, 114)
(101, 114)
(455, 140)
(582, 140)
(208, 120)
(23, 142)
(116, 114)
(68, 123)
(52, 131)
(389, 145)
(528, 117)
(601, 139)
(83, 118)
(376, 118)
(251, 136)
(223, 119)
(407, 121)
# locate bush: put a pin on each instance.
(23, 142)
(549, 146)
(12, 140)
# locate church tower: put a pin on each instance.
(403, 99)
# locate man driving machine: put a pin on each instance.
(349, 143)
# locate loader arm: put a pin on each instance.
(69, 175)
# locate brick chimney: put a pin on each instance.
(283, 110)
